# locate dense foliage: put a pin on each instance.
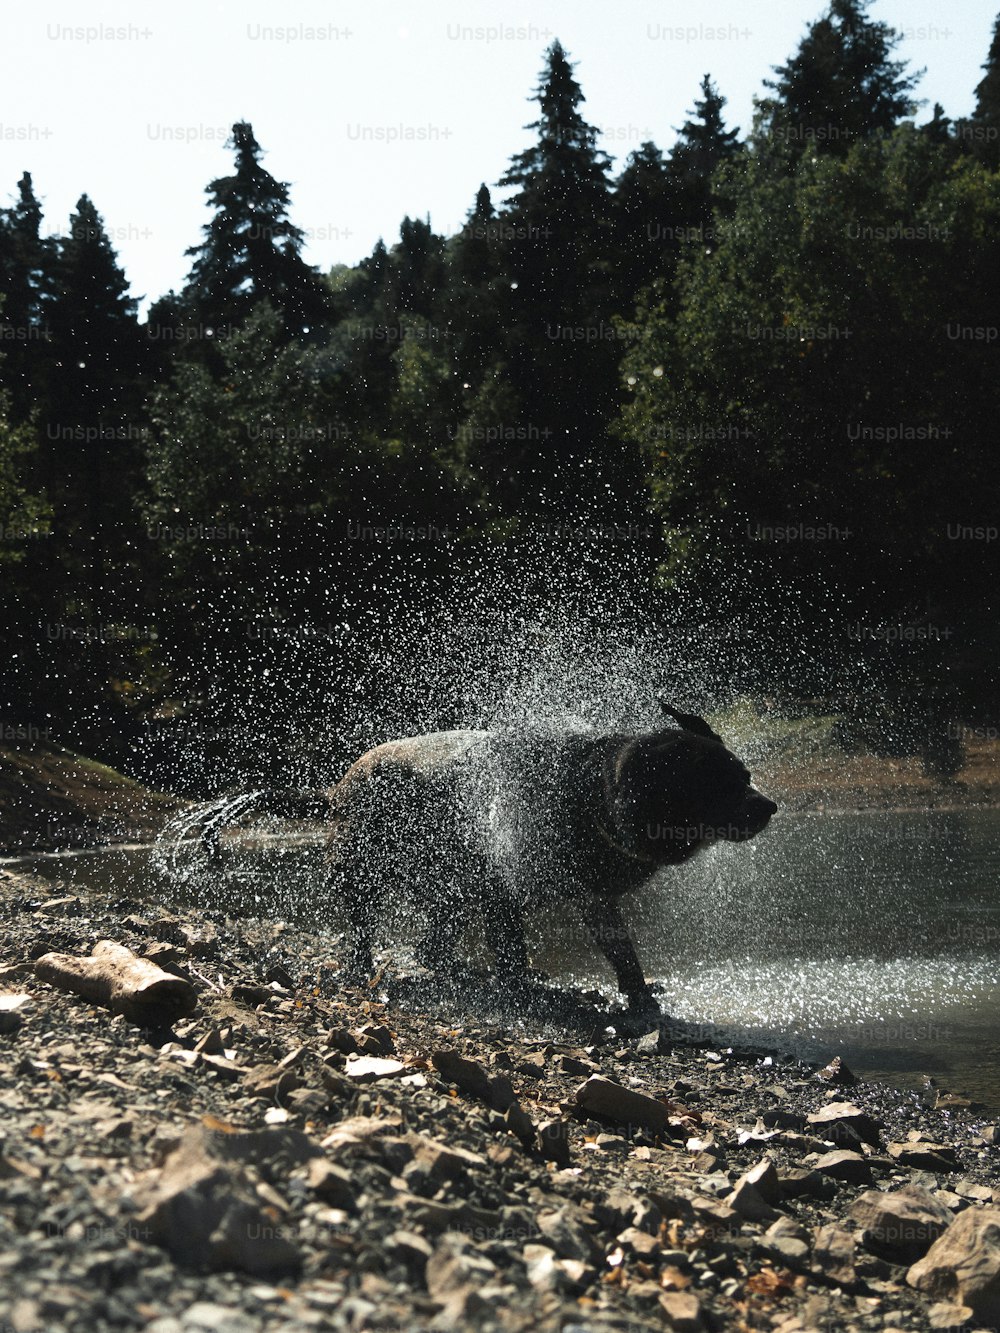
(777, 352)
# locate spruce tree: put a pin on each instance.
(842, 83)
(93, 432)
(646, 223)
(252, 251)
(556, 256)
(25, 271)
(982, 130)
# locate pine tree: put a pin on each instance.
(842, 84)
(703, 142)
(647, 223)
(982, 130)
(556, 259)
(94, 430)
(252, 251)
(556, 217)
(25, 268)
(469, 307)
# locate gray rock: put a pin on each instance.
(833, 1253)
(925, 1156)
(963, 1265)
(207, 1212)
(850, 1167)
(900, 1225)
(844, 1123)
(564, 1231)
(602, 1097)
(553, 1142)
(787, 1241)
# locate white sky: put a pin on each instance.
(138, 120)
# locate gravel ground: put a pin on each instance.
(297, 1154)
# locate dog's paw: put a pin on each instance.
(642, 1015)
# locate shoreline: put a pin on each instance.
(419, 1156)
(54, 800)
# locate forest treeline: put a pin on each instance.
(766, 360)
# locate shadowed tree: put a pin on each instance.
(842, 84)
(982, 130)
(25, 271)
(252, 251)
(560, 345)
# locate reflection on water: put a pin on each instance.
(872, 935)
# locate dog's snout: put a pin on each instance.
(759, 807)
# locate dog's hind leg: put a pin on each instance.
(446, 920)
(504, 920)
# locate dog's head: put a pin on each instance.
(676, 790)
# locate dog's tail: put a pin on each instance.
(285, 802)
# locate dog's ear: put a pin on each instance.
(690, 722)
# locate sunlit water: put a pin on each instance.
(873, 936)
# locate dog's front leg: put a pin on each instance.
(606, 924)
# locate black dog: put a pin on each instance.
(445, 827)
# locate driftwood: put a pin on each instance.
(116, 977)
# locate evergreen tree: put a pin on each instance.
(841, 84)
(647, 223)
(560, 342)
(469, 307)
(982, 130)
(702, 144)
(93, 431)
(252, 251)
(25, 269)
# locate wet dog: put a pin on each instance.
(457, 825)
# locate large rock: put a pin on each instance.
(963, 1265)
(623, 1105)
(205, 1210)
(900, 1225)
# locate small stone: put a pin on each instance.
(564, 1231)
(925, 1156)
(467, 1075)
(682, 1311)
(602, 1097)
(802, 1182)
(12, 1008)
(553, 1142)
(332, 1184)
(947, 1316)
(370, 1068)
(410, 1247)
(520, 1124)
(844, 1124)
(833, 1253)
(837, 1073)
(786, 1241)
(754, 1193)
(844, 1165)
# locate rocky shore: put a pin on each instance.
(289, 1153)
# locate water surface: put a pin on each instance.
(874, 936)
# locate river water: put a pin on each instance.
(873, 936)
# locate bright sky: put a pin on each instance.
(373, 110)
